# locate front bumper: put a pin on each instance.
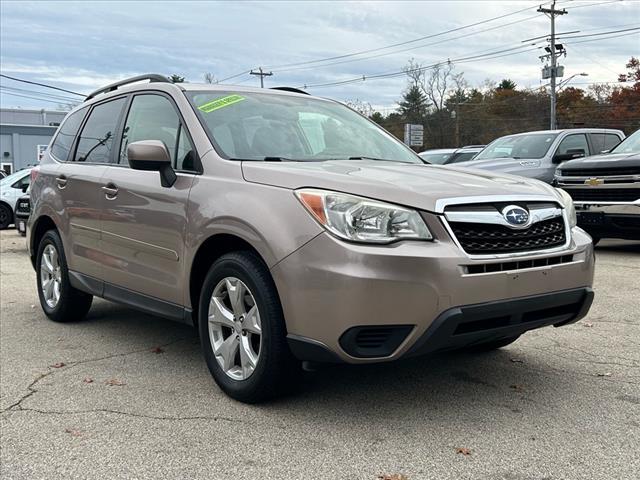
(617, 220)
(328, 287)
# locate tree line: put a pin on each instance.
(454, 114)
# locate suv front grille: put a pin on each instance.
(484, 238)
(600, 172)
(22, 206)
(604, 194)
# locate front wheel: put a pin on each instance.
(6, 216)
(242, 329)
(60, 301)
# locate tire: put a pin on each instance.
(72, 304)
(493, 345)
(6, 216)
(256, 370)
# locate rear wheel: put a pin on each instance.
(6, 216)
(60, 301)
(493, 345)
(242, 329)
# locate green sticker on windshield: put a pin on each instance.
(220, 103)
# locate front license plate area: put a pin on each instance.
(591, 218)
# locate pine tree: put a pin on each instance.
(414, 105)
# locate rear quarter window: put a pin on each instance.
(67, 132)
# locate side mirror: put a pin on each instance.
(25, 188)
(571, 154)
(152, 155)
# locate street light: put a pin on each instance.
(565, 82)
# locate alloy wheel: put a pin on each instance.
(50, 276)
(234, 328)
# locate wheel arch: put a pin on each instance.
(41, 226)
(208, 252)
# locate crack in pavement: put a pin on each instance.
(31, 390)
(214, 418)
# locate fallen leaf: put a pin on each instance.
(114, 382)
(73, 432)
(463, 451)
(517, 388)
(58, 365)
(516, 360)
(88, 380)
(395, 476)
(587, 324)
(157, 350)
(605, 374)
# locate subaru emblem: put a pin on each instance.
(516, 216)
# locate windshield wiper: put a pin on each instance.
(267, 159)
(381, 160)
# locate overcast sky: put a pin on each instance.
(82, 45)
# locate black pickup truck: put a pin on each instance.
(606, 190)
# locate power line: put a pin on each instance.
(410, 48)
(32, 98)
(46, 95)
(41, 85)
(372, 50)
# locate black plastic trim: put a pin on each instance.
(307, 349)
(130, 298)
(465, 326)
(352, 344)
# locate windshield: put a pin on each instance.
(437, 158)
(631, 144)
(535, 145)
(13, 177)
(259, 126)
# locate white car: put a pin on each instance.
(12, 188)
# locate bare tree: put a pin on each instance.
(436, 82)
(363, 108)
(209, 78)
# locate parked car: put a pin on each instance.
(290, 228)
(445, 156)
(538, 154)
(12, 187)
(22, 212)
(606, 190)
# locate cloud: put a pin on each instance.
(83, 45)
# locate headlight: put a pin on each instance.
(567, 202)
(362, 220)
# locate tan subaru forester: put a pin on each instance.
(289, 228)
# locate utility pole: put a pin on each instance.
(552, 13)
(262, 75)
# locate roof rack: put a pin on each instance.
(290, 89)
(474, 146)
(152, 77)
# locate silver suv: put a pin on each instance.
(289, 228)
(538, 154)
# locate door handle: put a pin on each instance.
(110, 191)
(61, 181)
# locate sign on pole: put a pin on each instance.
(413, 135)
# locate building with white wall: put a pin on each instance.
(24, 134)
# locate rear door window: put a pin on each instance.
(573, 143)
(95, 144)
(61, 145)
(603, 141)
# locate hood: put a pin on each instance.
(418, 186)
(505, 164)
(605, 161)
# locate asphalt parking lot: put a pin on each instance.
(127, 395)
